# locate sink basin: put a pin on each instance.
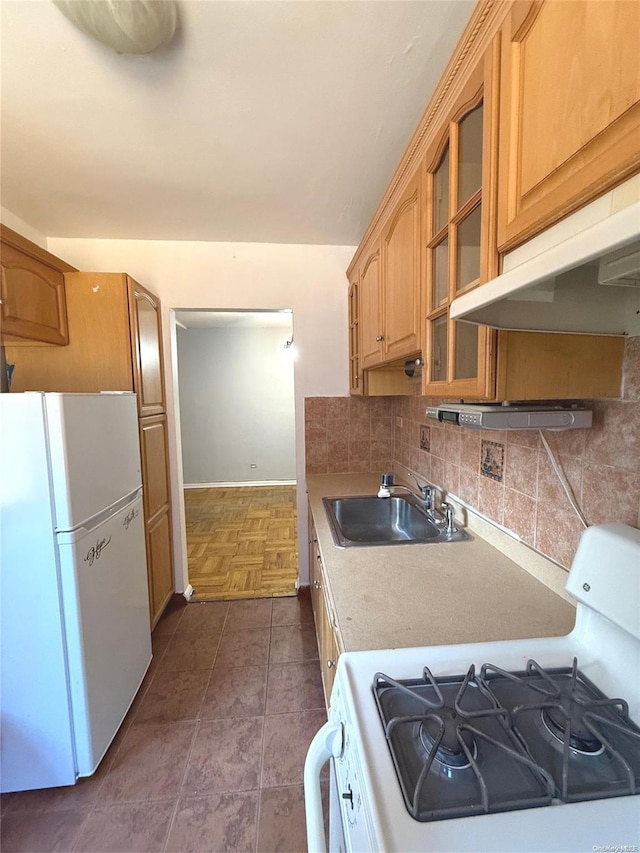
(370, 520)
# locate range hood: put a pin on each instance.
(581, 275)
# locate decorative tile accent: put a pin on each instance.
(492, 460)
(425, 437)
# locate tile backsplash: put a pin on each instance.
(348, 434)
(506, 475)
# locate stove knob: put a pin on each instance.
(348, 795)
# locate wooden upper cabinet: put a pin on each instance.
(401, 275)
(371, 329)
(355, 373)
(115, 344)
(570, 109)
(33, 292)
(146, 342)
(459, 237)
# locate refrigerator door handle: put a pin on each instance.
(90, 524)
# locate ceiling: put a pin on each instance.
(276, 121)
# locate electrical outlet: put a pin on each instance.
(399, 422)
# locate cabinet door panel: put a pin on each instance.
(33, 303)
(570, 108)
(460, 254)
(147, 346)
(328, 651)
(157, 511)
(159, 565)
(33, 299)
(370, 313)
(154, 456)
(401, 276)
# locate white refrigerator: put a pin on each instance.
(75, 632)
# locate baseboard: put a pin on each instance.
(243, 483)
(188, 592)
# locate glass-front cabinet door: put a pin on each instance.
(459, 239)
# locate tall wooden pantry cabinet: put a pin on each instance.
(115, 344)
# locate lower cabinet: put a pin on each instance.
(157, 512)
(326, 634)
(159, 564)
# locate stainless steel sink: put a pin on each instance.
(370, 520)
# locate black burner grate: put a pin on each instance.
(499, 741)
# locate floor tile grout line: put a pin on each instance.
(262, 740)
(170, 825)
(78, 835)
(181, 785)
(261, 769)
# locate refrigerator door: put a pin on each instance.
(36, 733)
(94, 453)
(106, 617)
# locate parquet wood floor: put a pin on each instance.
(242, 542)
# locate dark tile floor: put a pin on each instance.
(211, 754)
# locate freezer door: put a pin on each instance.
(94, 453)
(106, 617)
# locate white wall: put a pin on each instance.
(308, 279)
(237, 406)
(16, 224)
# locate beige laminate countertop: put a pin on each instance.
(420, 595)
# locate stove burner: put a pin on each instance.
(449, 751)
(581, 739)
(522, 739)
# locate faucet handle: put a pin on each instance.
(387, 480)
(427, 492)
(449, 514)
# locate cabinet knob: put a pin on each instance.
(379, 338)
(316, 584)
(330, 664)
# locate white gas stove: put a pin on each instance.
(525, 745)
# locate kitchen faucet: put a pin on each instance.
(427, 492)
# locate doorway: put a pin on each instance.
(237, 421)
